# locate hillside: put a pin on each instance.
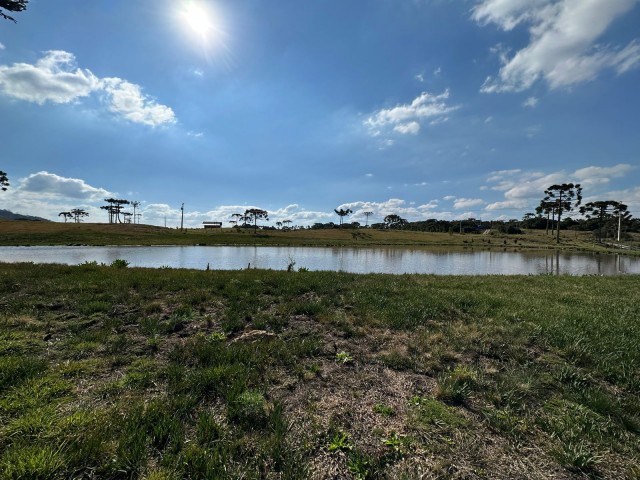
(8, 215)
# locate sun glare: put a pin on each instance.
(202, 24)
(197, 19)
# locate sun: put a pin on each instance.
(202, 24)
(198, 20)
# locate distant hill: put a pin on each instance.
(7, 215)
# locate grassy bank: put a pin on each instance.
(131, 373)
(50, 233)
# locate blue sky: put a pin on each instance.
(422, 108)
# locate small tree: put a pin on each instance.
(343, 213)
(12, 6)
(255, 214)
(565, 197)
(394, 221)
(606, 212)
(4, 181)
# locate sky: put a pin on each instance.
(443, 109)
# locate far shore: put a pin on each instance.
(26, 233)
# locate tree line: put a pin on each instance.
(606, 218)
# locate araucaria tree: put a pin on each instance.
(66, 215)
(4, 181)
(12, 6)
(135, 204)
(255, 214)
(547, 208)
(565, 197)
(78, 214)
(367, 215)
(114, 207)
(343, 213)
(609, 213)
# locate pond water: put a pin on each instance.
(357, 260)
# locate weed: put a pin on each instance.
(384, 410)
(291, 264)
(396, 361)
(508, 421)
(456, 385)
(340, 442)
(249, 409)
(15, 369)
(395, 443)
(576, 456)
(431, 412)
(343, 357)
(208, 430)
(119, 263)
(360, 465)
(33, 462)
(96, 306)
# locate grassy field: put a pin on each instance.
(116, 373)
(51, 233)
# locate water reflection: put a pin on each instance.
(358, 260)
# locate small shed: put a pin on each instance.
(212, 225)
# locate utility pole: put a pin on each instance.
(182, 217)
(619, 224)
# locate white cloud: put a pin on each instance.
(404, 128)
(2, 47)
(127, 100)
(530, 102)
(55, 78)
(420, 77)
(488, 119)
(629, 196)
(46, 194)
(392, 206)
(437, 71)
(563, 47)
(405, 119)
(525, 189)
(45, 183)
(368, 175)
(460, 203)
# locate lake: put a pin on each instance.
(356, 260)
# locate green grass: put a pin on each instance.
(54, 233)
(139, 373)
